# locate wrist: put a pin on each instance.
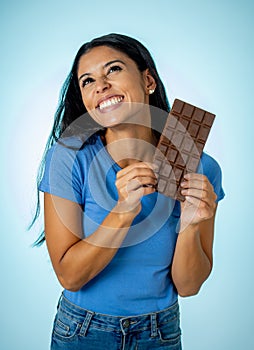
(124, 209)
(124, 214)
(189, 228)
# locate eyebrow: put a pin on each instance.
(105, 66)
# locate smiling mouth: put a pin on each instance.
(110, 102)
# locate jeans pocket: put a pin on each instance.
(170, 333)
(65, 326)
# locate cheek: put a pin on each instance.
(86, 100)
(138, 92)
(139, 87)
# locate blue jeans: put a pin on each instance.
(76, 328)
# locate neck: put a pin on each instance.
(130, 143)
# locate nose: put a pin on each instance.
(102, 84)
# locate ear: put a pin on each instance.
(149, 81)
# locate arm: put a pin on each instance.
(193, 260)
(75, 260)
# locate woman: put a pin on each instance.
(121, 251)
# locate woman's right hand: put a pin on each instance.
(132, 183)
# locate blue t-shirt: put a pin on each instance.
(138, 278)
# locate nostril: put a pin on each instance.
(102, 89)
(102, 85)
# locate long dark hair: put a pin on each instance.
(71, 106)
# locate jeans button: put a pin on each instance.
(126, 323)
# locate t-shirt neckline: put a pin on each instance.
(107, 154)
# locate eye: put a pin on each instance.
(86, 81)
(114, 69)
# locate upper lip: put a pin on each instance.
(107, 98)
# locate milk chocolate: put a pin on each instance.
(180, 146)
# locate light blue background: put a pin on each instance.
(204, 52)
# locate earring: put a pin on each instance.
(151, 92)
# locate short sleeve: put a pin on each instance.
(62, 176)
(209, 167)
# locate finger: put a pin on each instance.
(137, 182)
(142, 191)
(141, 182)
(200, 207)
(134, 173)
(195, 176)
(205, 195)
(203, 185)
(193, 200)
(193, 192)
(191, 183)
(124, 189)
(133, 197)
(197, 193)
(138, 165)
(199, 181)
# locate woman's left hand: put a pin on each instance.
(200, 200)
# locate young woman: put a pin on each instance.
(122, 251)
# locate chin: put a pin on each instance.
(107, 122)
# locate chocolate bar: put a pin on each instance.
(180, 146)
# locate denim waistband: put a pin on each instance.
(123, 324)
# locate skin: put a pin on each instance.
(119, 78)
(75, 260)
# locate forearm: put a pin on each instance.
(191, 266)
(86, 258)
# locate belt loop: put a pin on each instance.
(86, 323)
(59, 301)
(153, 325)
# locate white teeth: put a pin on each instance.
(112, 101)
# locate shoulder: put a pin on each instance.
(71, 149)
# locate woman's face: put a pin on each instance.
(110, 84)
